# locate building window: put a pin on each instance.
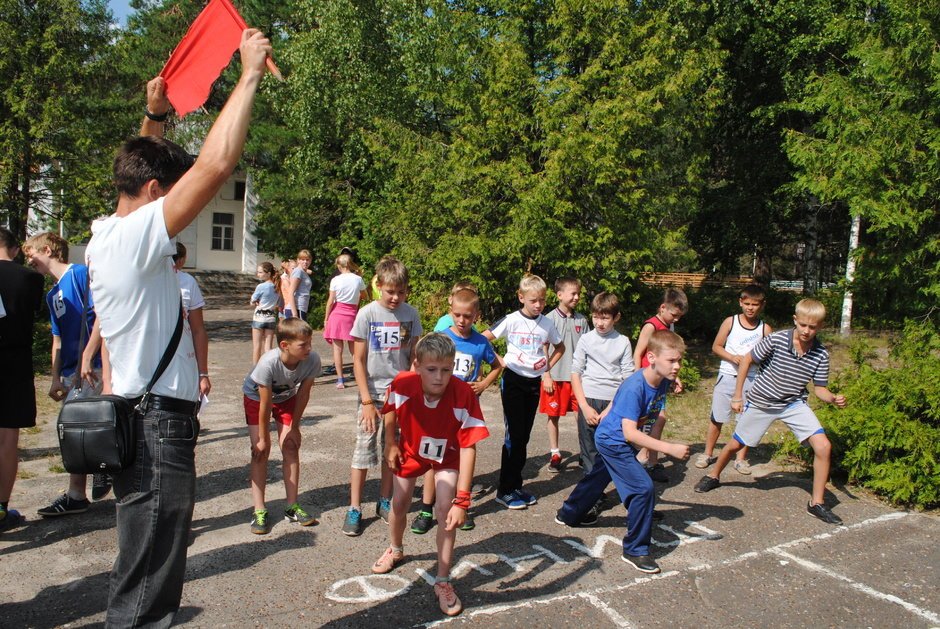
(239, 190)
(223, 231)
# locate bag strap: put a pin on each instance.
(167, 356)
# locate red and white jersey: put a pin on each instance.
(435, 432)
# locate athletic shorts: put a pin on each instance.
(281, 412)
(17, 389)
(415, 466)
(369, 445)
(754, 422)
(724, 393)
(559, 402)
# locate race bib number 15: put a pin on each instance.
(386, 336)
(432, 449)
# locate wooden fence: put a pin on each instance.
(693, 280)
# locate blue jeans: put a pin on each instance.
(617, 463)
(155, 499)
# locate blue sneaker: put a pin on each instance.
(11, 519)
(511, 500)
(527, 497)
(352, 526)
(382, 508)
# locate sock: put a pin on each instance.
(74, 495)
(398, 549)
(556, 451)
(427, 507)
(442, 580)
(4, 506)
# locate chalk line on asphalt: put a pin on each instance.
(591, 596)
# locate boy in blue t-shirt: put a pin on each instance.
(473, 349)
(619, 436)
(68, 298)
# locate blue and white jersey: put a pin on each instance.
(471, 354)
(66, 301)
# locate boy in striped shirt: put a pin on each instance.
(789, 359)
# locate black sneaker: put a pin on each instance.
(824, 514)
(423, 523)
(100, 486)
(64, 505)
(590, 518)
(468, 524)
(658, 473)
(706, 484)
(643, 563)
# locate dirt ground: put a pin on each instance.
(746, 554)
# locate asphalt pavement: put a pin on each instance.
(744, 555)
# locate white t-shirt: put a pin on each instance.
(137, 300)
(189, 291)
(525, 342)
(347, 287)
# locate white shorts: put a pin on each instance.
(721, 398)
(754, 422)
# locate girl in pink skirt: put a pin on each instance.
(347, 290)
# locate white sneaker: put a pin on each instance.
(742, 467)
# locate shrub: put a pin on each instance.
(888, 437)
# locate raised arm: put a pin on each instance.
(223, 146)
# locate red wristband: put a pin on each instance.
(462, 501)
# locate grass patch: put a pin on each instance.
(22, 474)
(56, 467)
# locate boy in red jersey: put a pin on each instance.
(440, 422)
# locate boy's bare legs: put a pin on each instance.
(385, 486)
(398, 514)
(445, 484)
(357, 481)
(552, 426)
(9, 461)
(77, 485)
(288, 439)
(259, 469)
(269, 343)
(725, 456)
(427, 492)
(711, 440)
(822, 453)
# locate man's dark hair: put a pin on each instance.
(7, 239)
(148, 157)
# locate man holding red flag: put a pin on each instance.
(137, 300)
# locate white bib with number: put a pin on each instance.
(432, 449)
(387, 335)
(463, 365)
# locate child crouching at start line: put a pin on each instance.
(440, 422)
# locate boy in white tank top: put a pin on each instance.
(736, 337)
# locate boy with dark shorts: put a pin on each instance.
(279, 387)
(789, 359)
(618, 438)
(440, 423)
(20, 300)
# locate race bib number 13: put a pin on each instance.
(432, 449)
(463, 365)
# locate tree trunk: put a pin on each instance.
(811, 250)
(846, 326)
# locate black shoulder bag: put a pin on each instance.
(97, 434)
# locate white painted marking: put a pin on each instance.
(683, 538)
(861, 587)
(370, 591)
(456, 572)
(596, 551)
(515, 562)
(613, 614)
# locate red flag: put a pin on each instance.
(201, 56)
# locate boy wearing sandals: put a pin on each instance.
(440, 422)
(279, 387)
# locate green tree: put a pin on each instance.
(58, 118)
(875, 149)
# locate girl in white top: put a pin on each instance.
(347, 291)
(265, 299)
(297, 298)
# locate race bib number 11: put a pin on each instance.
(432, 449)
